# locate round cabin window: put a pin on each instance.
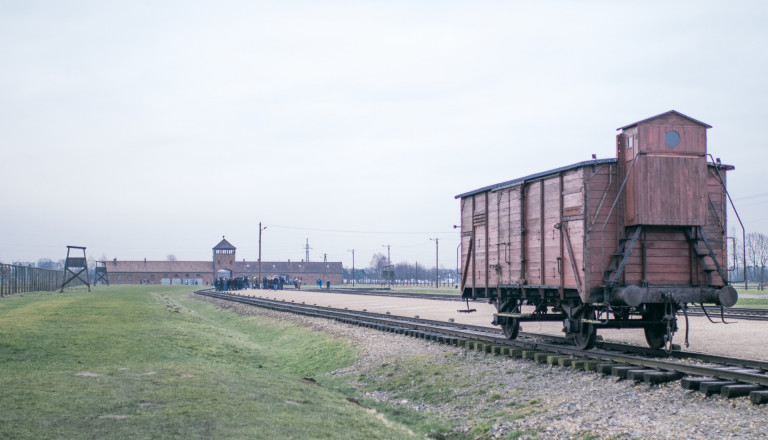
(672, 138)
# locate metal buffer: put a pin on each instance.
(75, 266)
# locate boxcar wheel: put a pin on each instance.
(655, 334)
(511, 328)
(587, 334)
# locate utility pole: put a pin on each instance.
(389, 267)
(437, 276)
(458, 265)
(353, 266)
(307, 248)
(260, 229)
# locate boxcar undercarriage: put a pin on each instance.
(655, 313)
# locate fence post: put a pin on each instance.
(22, 279)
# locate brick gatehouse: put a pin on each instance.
(223, 264)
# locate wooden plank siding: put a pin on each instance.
(516, 242)
(467, 244)
(673, 189)
(667, 184)
(693, 137)
(715, 227)
(601, 234)
(532, 225)
(518, 231)
(509, 238)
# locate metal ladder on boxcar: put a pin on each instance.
(615, 269)
(695, 237)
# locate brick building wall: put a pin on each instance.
(224, 258)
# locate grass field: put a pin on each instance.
(150, 362)
(752, 297)
(752, 302)
(138, 362)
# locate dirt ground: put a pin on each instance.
(738, 338)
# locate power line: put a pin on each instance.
(359, 232)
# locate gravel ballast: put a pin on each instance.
(500, 397)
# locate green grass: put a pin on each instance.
(423, 380)
(760, 302)
(752, 302)
(151, 362)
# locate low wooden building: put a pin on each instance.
(223, 265)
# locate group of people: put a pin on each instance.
(244, 282)
(237, 283)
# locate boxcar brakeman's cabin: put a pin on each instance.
(610, 243)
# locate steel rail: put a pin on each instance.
(743, 371)
(752, 314)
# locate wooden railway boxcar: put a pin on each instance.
(609, 243)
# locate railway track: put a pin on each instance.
(708, 374)
(752, 314)
(731, 313)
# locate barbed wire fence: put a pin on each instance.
(16, 279)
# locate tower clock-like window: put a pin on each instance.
(672, 138)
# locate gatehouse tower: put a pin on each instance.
(224, 258)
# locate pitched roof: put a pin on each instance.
(159, 266)
(535, 176)
(241, 267)
(224, 244)
(276, 267)
(664, 114)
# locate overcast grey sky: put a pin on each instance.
(147, 128)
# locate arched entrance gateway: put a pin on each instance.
(224, 273)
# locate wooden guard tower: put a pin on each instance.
(101, 273)
(75, 266)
